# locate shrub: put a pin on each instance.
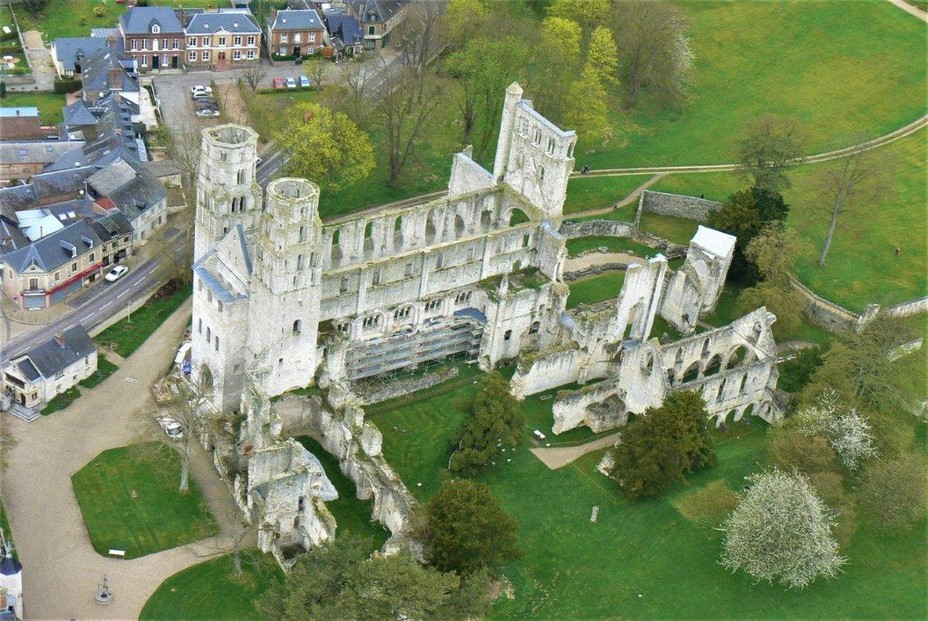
(897, 491)
(66, 86)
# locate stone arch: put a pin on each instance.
(745, 411)
(632, 317)
(738, 355)
(206, 377)
(713, 366)
(679, 357)
(670, 376)
(648, 366)
(705, 348)
(398, 231)
(459, 225)
(486, 219)
(691, 374)
(430, 228)
(517, 217)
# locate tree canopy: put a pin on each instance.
(769, 147)
(466, 530)
(325, 147)
(781, 531)
(657, 448)
(497, 423)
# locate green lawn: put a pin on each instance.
(351, 514)
(594, 289)
(716, 186)
(839, 68)
(159, 518)
(209, 590)
(105, 368)
(585, 193)
(614, 244)
(49, 104)
(575, 569)
(127, 335)
(677, 230)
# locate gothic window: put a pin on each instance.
(219, 305)
(216, 342)
(439, 261)
(155, 29)
(209, 334)
(209, 296)
(299, 262)
(523, 127)
(507, 335)
(375, 277)
(541, 173)
(537, 139)
(462, 297)
(520, 160)
(534, 329)
(408, 270)
(550, 146)
(432, 305)
(335, 237)
(223, 156)
(402, 313)
(302, 233)
(470, 255)
(297, 326)
(344, 327)
(200, 326)
(240, 177)
(372, 322)
(343, 287)
(525, 240)
(570, 151)
(312, 259)
(744, 381)
(234, 205)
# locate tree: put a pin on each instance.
(420, 36)
(781, 531)
(863, 177)
(896, 490)
(325, 146)
(846, 431)
(465, 20)
(404, 103)
(773, 252)
(744, 214)
(316, 68)
(790, 450)
(656, 57)
(252, 74)
(557, 57)
(591, 117)
(588, 14)
(466, 529)
(769, 147)
(336, 581)
(356, 92)
(602, 56)
(497, 423)
(34, 7)
(186, 408)
(656, 449)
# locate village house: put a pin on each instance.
(295, 33)
(153, 36)
(68, 53)
(50, 368)
(378, 19)
(222, 40)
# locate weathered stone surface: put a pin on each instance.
(677, 205)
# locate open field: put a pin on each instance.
(646, 558)
(841, 68)
(130, 501)
(210, 590)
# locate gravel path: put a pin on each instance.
(601, 258)
(558, 457)
(61, 569)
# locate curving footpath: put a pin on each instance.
(61, 570)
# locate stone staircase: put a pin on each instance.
(23, 413)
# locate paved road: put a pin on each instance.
(61, 569)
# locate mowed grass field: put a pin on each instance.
(642, 560)
(838, 68)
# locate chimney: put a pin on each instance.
(59, 338)
(111, 40)
(115, 79)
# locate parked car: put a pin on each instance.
(278, 83)
(304, 81)
(291, 82)
(199, 89)
(171, 427)
(116, 273)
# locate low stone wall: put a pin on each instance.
(907, 309)
(594, 269)
(597, 406)
(376, 391)
(614, 228)
(676, 205)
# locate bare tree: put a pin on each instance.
(862, 177)
(421, 35)
(183, 144)
(253, 74)
(355, 94)
(769, 147)
(316, 68)
(405, 102)
(654, 51)
(190, 397)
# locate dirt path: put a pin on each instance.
(61, 569)
(913, 10)
(232, 104)
(633, 196)
(558, 457)
(600, 258)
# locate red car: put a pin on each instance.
(279, 83)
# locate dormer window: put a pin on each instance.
(155, 29)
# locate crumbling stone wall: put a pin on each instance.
(677, 205)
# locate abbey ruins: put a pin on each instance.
(284, 301)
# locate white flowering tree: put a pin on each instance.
(847, 432)
(781, 531)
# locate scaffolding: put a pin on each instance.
(436, 341)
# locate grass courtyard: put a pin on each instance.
(644, 559)
(594, 289)
(130, 501)
(209, 590)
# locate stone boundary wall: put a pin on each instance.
(595, 269)
(615, 228)
(371, 392)
(676, 205)
(907, 309)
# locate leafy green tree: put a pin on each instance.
(770, 146)
(744, 215)
(465, 20)
(896, 491)
(34, 7)
(336, 580)
(603, 56)
(497, 423)
(325, 147)
(781, 531)
(466, 530)
(557, 57)
(588, 14)
(656, 449)
(590, 116)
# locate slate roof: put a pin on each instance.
(67, 49)
(138, 20)
(95, 72)
(78, 113)
(130, 187)
(306, 19)
(114, 224)
(346, 28)
(53, 251)
(376, 11)
(51, 357)
(11, 237)
(234, 22)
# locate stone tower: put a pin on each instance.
(533, 156)
(227, 192)
(286, 285)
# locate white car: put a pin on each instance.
(291, 82)
(200, 90)
(116, 273)
(171, 427)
